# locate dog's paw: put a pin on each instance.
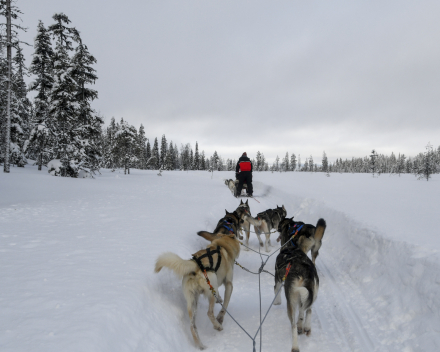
(261, 244)
(240, 237)
(201, 347)
(300, 331)
(277, 303)
(307, 332)
(295, 349)
(218, 327)
(220, 317)
(219, 300)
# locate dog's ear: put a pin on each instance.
(241, 202)
(292, 218)
(226, 212)
(247, 200)
(283, 207)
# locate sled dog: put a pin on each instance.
(228, 224)
(242, 210)
(231, 185)
(217, 262)
(265, 222)
(288, 227)
(301, 284)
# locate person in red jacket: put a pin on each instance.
(243, 173)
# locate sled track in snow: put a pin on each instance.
(336, 294)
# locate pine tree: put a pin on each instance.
(176, 158)
(197, 158)
(202, 161)
(126, 138)
(63, 104)
(428, 164)
(163, 150)
(169, 159)
(324, 162)
(286, 163)
(87, 128)
(191, 160)
(148, 153)
(292, 162)
(373, 161)
(155, 155)
(142, 148)
(42, 125)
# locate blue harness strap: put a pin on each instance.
(227, 227)
(296, 230)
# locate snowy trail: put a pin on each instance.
(77, 261)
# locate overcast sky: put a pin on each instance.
(274, 76)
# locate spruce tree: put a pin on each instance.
(155, 155)
(191, 160)
(202, 161)
(63, 104)
(286, 162)
(428, 164)
(142, 148)
(42, 125)
(292, 162)
(88, 122)
(196, 158)
(324, 162)
(163, 151)
(148, 153)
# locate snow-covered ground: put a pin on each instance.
(77, 258)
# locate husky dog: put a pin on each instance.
(217, 262)
(301, 282)
(231, 185)
(227, 224)
(288, 228)
(242, 210)
(266, 222)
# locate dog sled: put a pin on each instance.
(243, 190)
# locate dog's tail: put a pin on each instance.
(252, 221)
(320, 229)
(173, 262)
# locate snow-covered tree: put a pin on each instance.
(286, 162)
(373, 161)
(42, 126)
(428, 164)
(196, 158)
(63, 105)
(155, 155)
(324, 162)
(142, 148)
(163, 151)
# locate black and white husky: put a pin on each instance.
(265, 222)
(301, 283)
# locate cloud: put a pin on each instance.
(275, 76)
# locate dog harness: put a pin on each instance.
(208, 255)
(225, 225)
(296, 230)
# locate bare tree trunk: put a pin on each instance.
(8, 88)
